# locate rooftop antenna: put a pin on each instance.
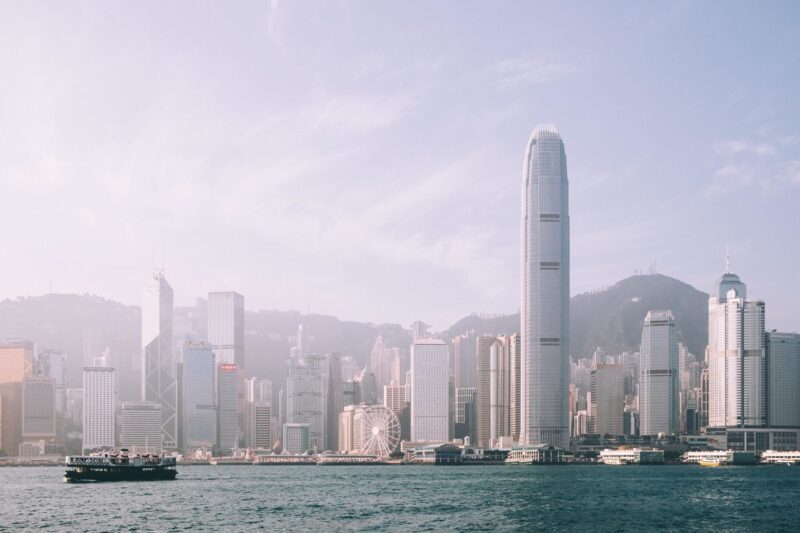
(727, 260)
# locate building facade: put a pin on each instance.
(199, 409)
(736, 356)
(226, 327)
(159, 383)
(783, 379)
(140, 430)
(99, 399)
(227, 408)
(659, 401)
(307, 396)
(608, 399)
(430, 406)
(545, 291)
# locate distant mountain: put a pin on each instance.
(61, 321)
(612, 319)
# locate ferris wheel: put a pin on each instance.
(380, 431)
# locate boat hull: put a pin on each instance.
(119, 474)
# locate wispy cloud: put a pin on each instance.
(744, 147)
(520, 72)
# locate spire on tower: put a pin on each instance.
(727, 260)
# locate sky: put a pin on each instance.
(364, 159)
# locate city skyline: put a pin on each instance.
(199, 162)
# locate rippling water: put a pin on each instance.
(575, 498)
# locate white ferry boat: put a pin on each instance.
(632, 456)
(774, 457)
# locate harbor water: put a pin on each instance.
(403, 498)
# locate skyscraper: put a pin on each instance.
(736, 356)
(544, 315)
(98, 407)
(227, 403)
(430, 367)
(307, 397)
(159, 384)
(16, 364)
(226, 327)
(658, 379)
(483, 348)
(608, 399)
(258, 425)
(198, 403)
(141, 427)
(783, 379)
(514, 376)
(38, 408)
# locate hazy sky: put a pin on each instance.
(364, 159)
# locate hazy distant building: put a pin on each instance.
(226, 327)
(140, 429)
(608, 400)
(419, 330)
(74, 410)
(198, 402)
(483, 348)
(430, 368)
(514, 392)
(307, 396)
(466, 414)
(464, 359)
(16, 363)
(499, 362)
(98, 407)
(545, 291)
(258, 421)
(227, 408)
(335, 398)
(38, 408)
(783, 379)
(345, 422)
(296, 438)
(54, 363)
(658, 380)
(367, 387)
(736, 356)
(159, 383)
(394, 397)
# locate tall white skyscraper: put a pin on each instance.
(226, 327)
(736, 356)
(158, 365)
(544, 368)
(659, 401)
(430, 366)
(98, 407)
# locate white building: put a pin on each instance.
(98, 407)
(394, 397)
(783, 379)
(159, 384)
(499, 353)
(736, 356)
(141, 427)
(430, 367)
(226, 327)
(659, 399)
(544, 413)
